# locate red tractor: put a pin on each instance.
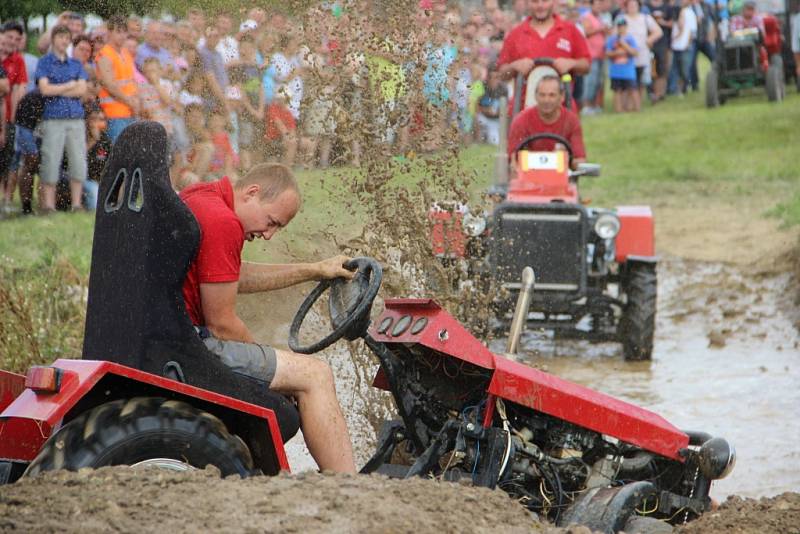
(595, 268)
(152, 395)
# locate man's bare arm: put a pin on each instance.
(219, 309)
(4, 87)
(257, 277)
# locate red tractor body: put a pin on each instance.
(50, 396)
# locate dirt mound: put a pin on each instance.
(121, 499)
(779, 514)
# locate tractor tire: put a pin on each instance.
(638, 323)
(774, 84)
(129, 431)
(712, 89)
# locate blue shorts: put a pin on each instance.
(27, 143)
(618, 84)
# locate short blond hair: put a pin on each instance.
(272, 178)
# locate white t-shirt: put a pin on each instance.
(639, 27)
(681, 39)
(291, 86)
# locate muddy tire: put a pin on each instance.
(638, 323)
(125, 432)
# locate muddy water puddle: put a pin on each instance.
(726, 361)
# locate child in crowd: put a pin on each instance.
(246, 78)
(198, 159)
(281, 130)
(224, 160)
(156, 95)
(620, 50)
(98, 144)
(489, 107)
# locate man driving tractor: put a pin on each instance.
(262, 202)
(548, 116)
(543, 35)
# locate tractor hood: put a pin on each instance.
(424, 323)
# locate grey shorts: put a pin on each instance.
(249, 359)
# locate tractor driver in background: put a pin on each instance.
(543, 34)
(548, 116)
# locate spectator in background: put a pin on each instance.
(621, 50)
(228, 47)
(706, 36)
(153, 46)
(214, 67)
(280, 130)
(30, 62)
(246, 77)
(645, 32)
(14, 66)
(62, 82)
(489, 107)
(29, 115)
(135, 27)
(43, 44)
(155, 95)
(224, 160)
(83, 51)
(665, 14)
(596, 30)
(98, 145)
(199, 157)
(115, 73)
(683, 32)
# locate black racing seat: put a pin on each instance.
(144, 241)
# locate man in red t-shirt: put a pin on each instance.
(262, 202)
(548, 116)
(544, 35)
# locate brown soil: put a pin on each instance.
(736, 233)
(779, 514)
(126, 500)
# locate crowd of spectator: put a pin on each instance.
(233, 91)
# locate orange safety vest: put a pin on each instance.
(122, 63)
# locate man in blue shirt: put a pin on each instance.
(62, 81)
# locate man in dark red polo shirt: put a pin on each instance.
(544, 35)
(262, 202)
(548, 116)
(14, 65)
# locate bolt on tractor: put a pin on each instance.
(595, 268)
(149, 393)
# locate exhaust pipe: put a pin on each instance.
(520, 312)
(501, 157)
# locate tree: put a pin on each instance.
(25, 9)
(107, 8)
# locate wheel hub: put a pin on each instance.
(167, 464)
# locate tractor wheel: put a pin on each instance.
(774, 83)
(147, 430)
(638, 323)
(712, 89)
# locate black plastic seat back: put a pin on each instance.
(144, 241)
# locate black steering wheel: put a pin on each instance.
(350, 303)
(555, 137)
